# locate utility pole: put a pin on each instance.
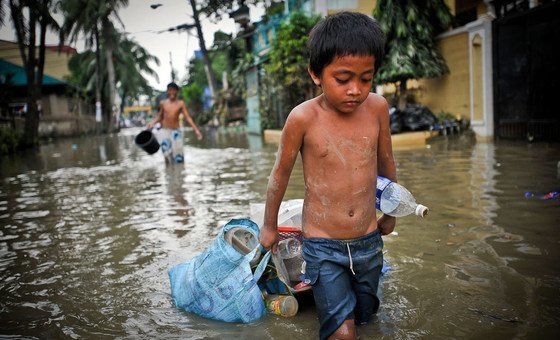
(173, 75)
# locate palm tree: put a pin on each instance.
(132, 62)
(38, 17)
(2, 13)
(411, 52)
(93, 18)
(81, 17)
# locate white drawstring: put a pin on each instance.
(350, 256)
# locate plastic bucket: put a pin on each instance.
(147, 141)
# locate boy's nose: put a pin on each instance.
(353, 90)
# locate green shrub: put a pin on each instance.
(9, 140)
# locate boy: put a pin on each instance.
(171, 136)
(345, 143)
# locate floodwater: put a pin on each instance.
(90, 226)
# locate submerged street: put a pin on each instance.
(90, 226)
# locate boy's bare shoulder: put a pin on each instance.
(304, 112)
(376, 102)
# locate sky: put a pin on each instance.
(142, 23)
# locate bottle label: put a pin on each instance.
(382, 183)
(273, 306)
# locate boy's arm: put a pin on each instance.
(385, 163)
(190, 120)
(159, 117)
(290, 144)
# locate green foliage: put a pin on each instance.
(227, 56)
(444, 116)
(132, 63)
(288, 55)
(217, 9)
(10, 140)
(192, 95)
(238, 85)
(287, 69)
(411, 28)
(276, 8)
(82, 71)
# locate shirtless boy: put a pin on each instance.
(345, 143)
(171, 136)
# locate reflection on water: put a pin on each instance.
(89, 227)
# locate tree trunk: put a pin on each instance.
(31, 128)
(98, 106)
(212, 83)
(108, 39)
(402, 95)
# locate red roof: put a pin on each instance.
(62, 49)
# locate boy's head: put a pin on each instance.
(172, 90)
(343, 34)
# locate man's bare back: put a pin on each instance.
(340, 168)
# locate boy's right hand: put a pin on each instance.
(269, 237)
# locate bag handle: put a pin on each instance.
(262, 265)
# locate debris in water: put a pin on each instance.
(495, 317)
(548, 196)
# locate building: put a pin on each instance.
(63, 110)
(503, 70)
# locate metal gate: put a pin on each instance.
(527, 71)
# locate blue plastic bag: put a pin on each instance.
(219, 283)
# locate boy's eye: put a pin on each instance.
(367, 80)
(341, 81)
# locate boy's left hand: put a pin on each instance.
(198, 135)
(386, 223)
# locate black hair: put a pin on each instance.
(173, 86)
(342, 34)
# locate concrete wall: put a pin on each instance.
(449, 93)
(325, 7)
(66, 126)
(64, 115)
(61, 115)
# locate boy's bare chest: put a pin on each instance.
(342, 144)
(171, 108)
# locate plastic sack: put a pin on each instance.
(219, 283)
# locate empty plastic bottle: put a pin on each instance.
(283, 305)
(395, 200)
(289, 248)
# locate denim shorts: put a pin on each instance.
(345, 276)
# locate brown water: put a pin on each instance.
(89, 227)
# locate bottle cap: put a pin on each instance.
(421, 210)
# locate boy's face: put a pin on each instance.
(171, 93)
(346, 81)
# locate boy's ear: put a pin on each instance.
(316, 79)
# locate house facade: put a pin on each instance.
(503, 67)
(63, 110)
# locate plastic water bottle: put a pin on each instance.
(283, 305)
(289, 248)
(395, 200)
